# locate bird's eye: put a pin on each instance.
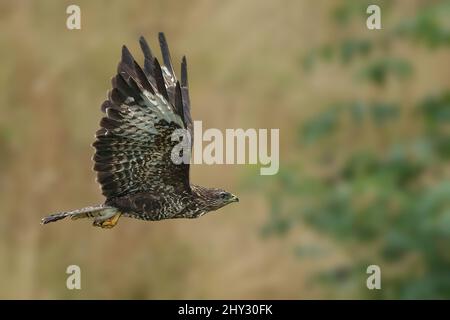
(223, 195)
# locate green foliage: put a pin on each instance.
(377, 71)
(376, 197)
(351, 48)
(430, 26)
(328, 122)
(394, 198)
(436, 110)
(321, 125)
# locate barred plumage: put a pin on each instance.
(134, 144)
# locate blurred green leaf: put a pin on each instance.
(430, 26)
(383, 112)
(436, 109)
(351, 48)
(322, 125)
(378, 71)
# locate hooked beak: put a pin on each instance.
(234, 199)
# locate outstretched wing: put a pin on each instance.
(134, 143)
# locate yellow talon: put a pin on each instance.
(108, 223)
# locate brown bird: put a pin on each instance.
(134, 147)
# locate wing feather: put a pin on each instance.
(185, 98)
(160, 79)
(148, 59)
(134, 144)
(166, 54)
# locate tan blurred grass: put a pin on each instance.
(244, 60)
(55, 80)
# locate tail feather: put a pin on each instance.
(87, 212)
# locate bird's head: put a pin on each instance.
(215, 198)
(222, 197)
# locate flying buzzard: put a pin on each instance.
(134, 146)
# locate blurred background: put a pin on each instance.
(364, 118)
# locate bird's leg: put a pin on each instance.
(108, 223)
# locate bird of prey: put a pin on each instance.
(134, 144)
